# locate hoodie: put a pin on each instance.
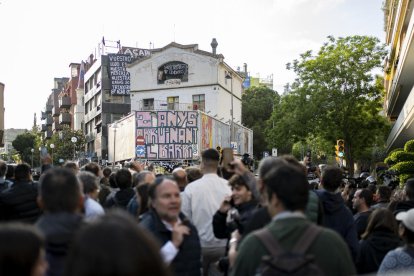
(374, 249)
(339, 218)
(59, 230)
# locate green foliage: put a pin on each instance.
(257, 106)
(335, 96)
(400, 156)
(404, 167)
(404, 177)
(64, 148)
(24, 143)
(409, 146)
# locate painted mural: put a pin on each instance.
(213, 133)
(166, 135)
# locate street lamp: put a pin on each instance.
(230, 77)
(40, 156)
(114, 126)
(74, 140)
(52, 146)
(32, 150)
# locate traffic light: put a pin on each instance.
(340, 148)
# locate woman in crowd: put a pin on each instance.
(379, 238)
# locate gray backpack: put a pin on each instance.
(293, 262)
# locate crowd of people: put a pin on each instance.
(203, 220)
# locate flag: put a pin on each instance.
(81, 76)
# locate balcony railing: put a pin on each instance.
(403, 119)
(49, 121)
(48, 134)
(55, 111)
(64, 118)
(48, 109)
(164, 105)
(64, 102)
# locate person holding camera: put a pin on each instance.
(234, 212)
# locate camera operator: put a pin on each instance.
(312, 172)
(234, 212)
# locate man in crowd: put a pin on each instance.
(201, 199)
(287, 194)
(408, 203)
(383, 197)
(61, 198)
(178, 237)
(362, 202)
(122, 197)
(18, 203)
(90, 183)
(336, 215)
(180, 176)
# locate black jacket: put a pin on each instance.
(339, 218)
(59, 230)
(374, 249)
(188, 259)
(222, 230)
(120, 199)
(19, 202)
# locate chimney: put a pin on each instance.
(214, 45)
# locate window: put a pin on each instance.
(86, 108)
(148, 104)
(199, 102)
(173, 103)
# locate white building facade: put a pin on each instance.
(182, 77)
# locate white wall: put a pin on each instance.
(124, 139)
(206, 75)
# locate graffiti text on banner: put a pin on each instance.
(167, 134)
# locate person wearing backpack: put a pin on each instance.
(291, 244)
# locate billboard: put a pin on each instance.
(166, 135)
(118, 75)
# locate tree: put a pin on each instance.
(257, 106)
(335, 96)
(24, 143)
(402, 161)
(64, 148)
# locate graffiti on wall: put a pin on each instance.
(213, 133)
(166, 134)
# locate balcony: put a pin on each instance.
(403, 130)
(65, 102)
(48, 109)
(43, 116)
(64, 118)
(49, 121)
(163, 106)
(55, 111)
(403, 67)
(56, 126)
(47, 134)
(44, 127)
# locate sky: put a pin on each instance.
(39, 39)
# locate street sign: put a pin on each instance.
(274, 152)
(265, 154)
(140, 151)
(140, 140)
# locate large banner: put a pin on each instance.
(118, 75)
(166, 135)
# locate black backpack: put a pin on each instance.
(293, 262)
